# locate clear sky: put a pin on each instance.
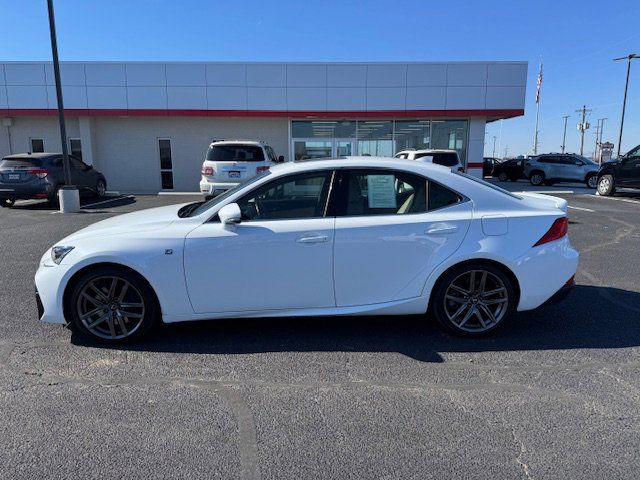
(577, 40)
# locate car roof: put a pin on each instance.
(39, 155)
(428, 150)
(358, 162)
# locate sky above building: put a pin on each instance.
(576, 40)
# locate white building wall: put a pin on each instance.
(475, 147)
(126, 149)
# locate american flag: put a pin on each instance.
(539, 84)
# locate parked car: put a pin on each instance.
(447, 158)
(488, 164)
(230, 162)
(553, 168)
(509, 170)
(40, 175)
(623, 172)
(348, 236)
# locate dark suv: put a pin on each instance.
(623, 172)
(40, 175)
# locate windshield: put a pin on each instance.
(587, 160)
(487, 184)
(215, 201)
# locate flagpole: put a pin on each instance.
(538, 88)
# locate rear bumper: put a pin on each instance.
(544, 272)
(563, 293)
(209, 188)
(25, 192)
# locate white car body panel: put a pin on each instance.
(377, 265)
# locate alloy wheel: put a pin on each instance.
(604, 185)
(110, 307)
(537, 179)
(592, 181)
(101, 189)
(476, 301)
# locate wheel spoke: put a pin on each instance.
(98, 321)
(127, 314)
(459, 289)
(495, 301)
(456, 299)
(479, 317)
(112, 288)
(92, 300)
(472, 281)
(112, 326)
(459, 311)
(131, 305)
(493, 292)
(123, 327)
(92, 312)
(123, 292)
(483, 282)
(487, 311)
(99, 293)
(467, 316)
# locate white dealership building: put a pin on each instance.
(147, 125)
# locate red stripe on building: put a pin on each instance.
(125, 112)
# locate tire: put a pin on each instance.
(592, 181)
(503, 177)
(468, 315)
(54, 198)
(101, 188)
(606, 186)
(112, 290)
(536, 178)
(7, 202)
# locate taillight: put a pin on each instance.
(208, 171)
(556, 232)
(261, 169)
(39, 172)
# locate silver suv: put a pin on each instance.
(551, 168)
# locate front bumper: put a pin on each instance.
(50, 282)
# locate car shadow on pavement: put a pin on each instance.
(590, 317)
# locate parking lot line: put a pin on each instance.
(626, 200)
(581, 208)
(106, 201)
(546, 192)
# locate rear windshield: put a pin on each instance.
(446, 159)
(235, 153)
(20, 163)
(487, 184)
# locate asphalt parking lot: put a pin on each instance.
(554, 394)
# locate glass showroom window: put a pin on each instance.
(75, 147)
(375, 138)
(166, 163)
(450, 134)
(37, 145)
(412, 134)
(323, 129)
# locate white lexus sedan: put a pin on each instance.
(347, 236)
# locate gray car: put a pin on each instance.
(553, 168)
(40, 175)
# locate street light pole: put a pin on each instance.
(564, 134)
(626, 86)
(68, 195)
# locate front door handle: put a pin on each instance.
(441, 229)
(312, 238)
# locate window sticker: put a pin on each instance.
(381, 191)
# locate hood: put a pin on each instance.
(140, 221)
(610, 163)
(545, 202)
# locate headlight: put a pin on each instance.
(58, 253)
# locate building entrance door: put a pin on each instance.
(307, 148)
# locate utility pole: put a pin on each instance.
(583, 126)
(597, 135)
(538, 89)
(600, 141)
(564, 134)
(494, 146)
(629, 57)
(68, 195)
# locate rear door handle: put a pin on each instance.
(441, 229)
(312, 238)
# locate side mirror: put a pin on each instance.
(230, 214)
(281, 159)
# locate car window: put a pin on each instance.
(440, 196)
(271, 154)
(568, 160)
(235, 153)
(291, 197)
(402, 155)
(634, 153)
(20, 163)
(446, 159)
(547, 160)
(383, 192)
(77, 164)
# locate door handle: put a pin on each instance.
(441, 229)
(313, 238)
